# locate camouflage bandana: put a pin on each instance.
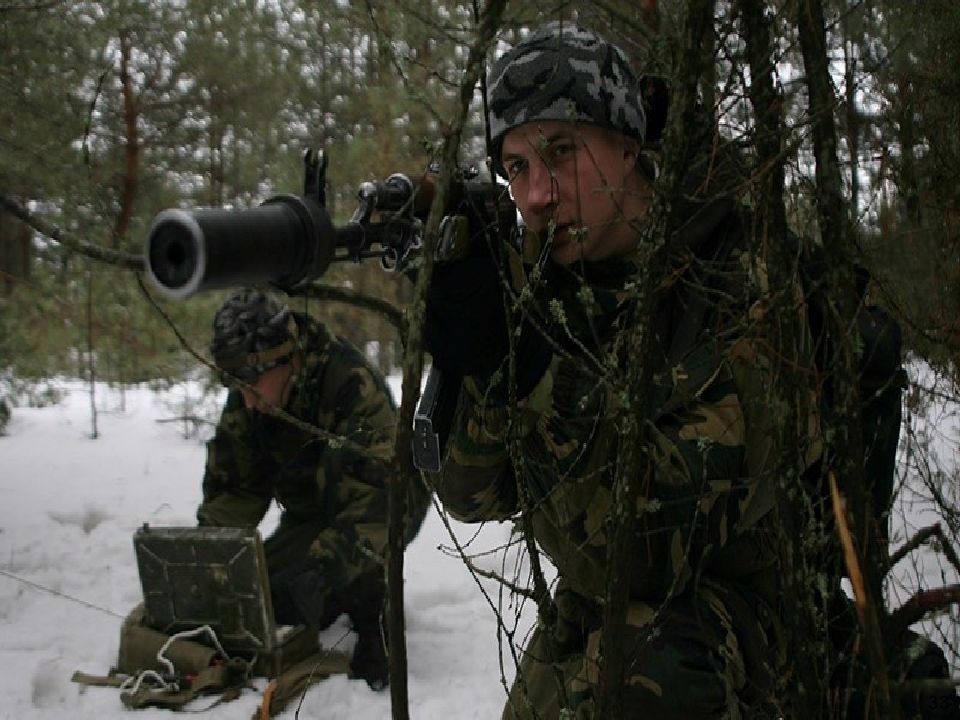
(252, 333)
(568, 73)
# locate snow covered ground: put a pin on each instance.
(68, 508)
(928, 477)
(69, 505)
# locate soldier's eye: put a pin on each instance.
(561, 150)
(515, 167)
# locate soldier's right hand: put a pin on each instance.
(465, 327)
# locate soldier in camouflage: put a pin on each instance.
(704, 634)
(326, 556)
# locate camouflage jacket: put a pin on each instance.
(254, 458)
(707, 495)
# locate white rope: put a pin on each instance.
(133, 683)
(183, 634)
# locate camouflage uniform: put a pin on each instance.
(704, 577)
(703, 631)
(334, 500)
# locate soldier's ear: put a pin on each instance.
(631, 155)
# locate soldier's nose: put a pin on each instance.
(541, 188)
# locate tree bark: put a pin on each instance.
(403, 471)
(841, 415)
(806, 693)
(852, 117)
(131, 147)
(15, 251)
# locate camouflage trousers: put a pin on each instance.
(703, 657)
(287, 553)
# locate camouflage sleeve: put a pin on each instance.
(236, 489)
(355, 484)
(477, 481)
(703, 499)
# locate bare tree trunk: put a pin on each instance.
(131, 147)
(91, 364)
(806, 691)
(841, 416)
(851, 114)
(908, 182)
(402, 467)
(15, 251)
(632, 458)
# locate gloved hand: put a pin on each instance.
(299, 595)
(464, 325)
(369, 659)
(465, 328)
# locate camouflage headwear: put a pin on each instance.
(252, 333)
(564, 72)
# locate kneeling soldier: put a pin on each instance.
(325, 557)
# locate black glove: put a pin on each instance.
(465, 328)
(464, 325)
(369, 659)
(299, 595)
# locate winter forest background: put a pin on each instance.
(846, 116)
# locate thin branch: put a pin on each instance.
(496, 577)
(921, 537)
(402, 468)
(501, 625)
(127, 261)
(387, 310)
(30, 7)
(921, 604)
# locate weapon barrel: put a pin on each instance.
(284, 241)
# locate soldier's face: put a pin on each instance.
(272, 389)
(577, 186)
